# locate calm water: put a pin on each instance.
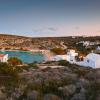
(26, 57)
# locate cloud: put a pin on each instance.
(52, 29)
(77, 28)
(44, 30)
(37, 30)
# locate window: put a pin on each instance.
(88, 61)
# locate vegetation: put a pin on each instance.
(64, 63)
(70, 82)
(6, 69)
(14, 61)
(33, 65)
(58, 51)
(64, 82)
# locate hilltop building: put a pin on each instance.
(91, 60)
(98, 48)
(3, 57)
(71, 56)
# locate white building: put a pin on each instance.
(3, 57)
(91, 60)
(98, 48)
(86, 43)
(59, 57)
(71, 56)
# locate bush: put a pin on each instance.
(64, 63)
(7, 69)
(58, 51)
(14, 61)
(33, 65)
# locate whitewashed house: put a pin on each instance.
(71, 55)
(98, 48)
(86, 43)
(3, 57)
(91, 60)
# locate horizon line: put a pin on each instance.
(49, 36)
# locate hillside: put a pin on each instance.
(71, 82)
(20, 42)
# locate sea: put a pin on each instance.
(25, 56)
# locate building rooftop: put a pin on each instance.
(2, 55)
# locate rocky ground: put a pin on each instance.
(71, 82)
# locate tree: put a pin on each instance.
(64, 63)
(14, 61)
(58, 51)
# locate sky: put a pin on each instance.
(42, 18)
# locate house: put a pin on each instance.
(91, 60)
(71, 56)
(98, 48)
(86, 43)
(3, 57)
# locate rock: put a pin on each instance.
(51, 97)
(32, 95)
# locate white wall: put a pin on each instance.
(97, 64)
(89, 63)
(4, 59)
(59, 57)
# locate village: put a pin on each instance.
(84, 53)
(69, 71)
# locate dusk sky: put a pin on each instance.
(50, 17)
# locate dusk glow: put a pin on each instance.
(50, 17)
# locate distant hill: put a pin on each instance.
(14, 41)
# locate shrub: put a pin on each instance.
(14, 61)
(64, 63)
(58, 51)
